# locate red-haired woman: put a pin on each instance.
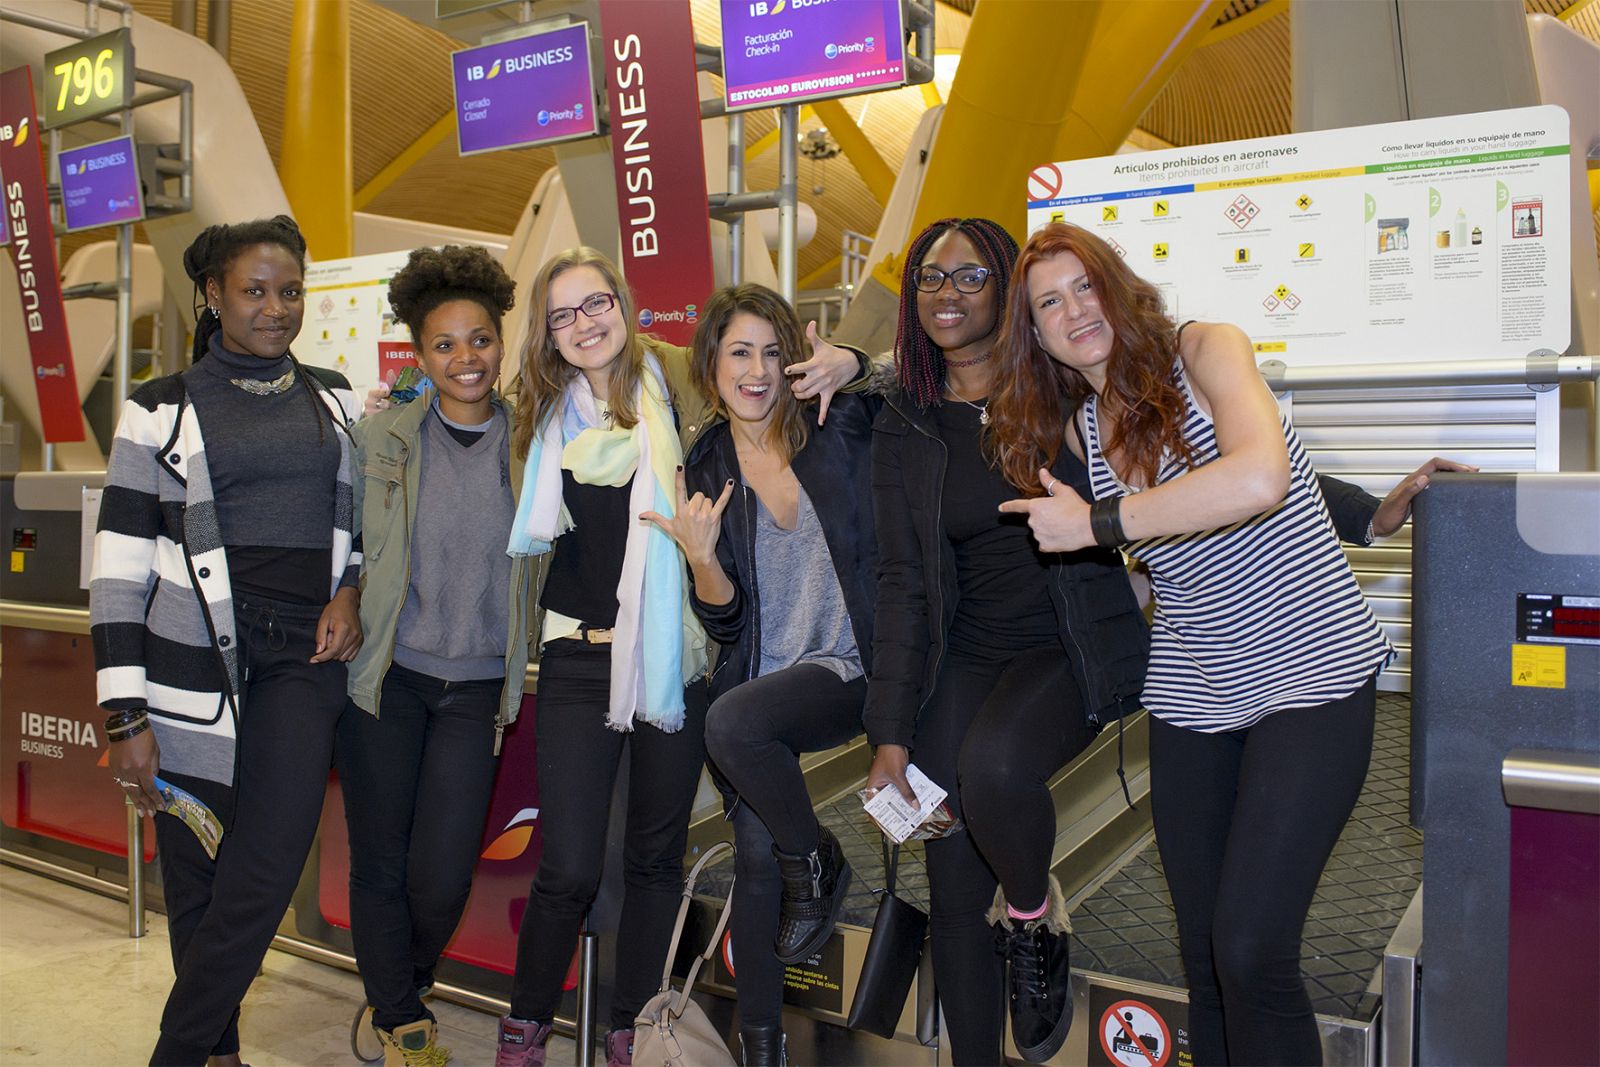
(1261, 677)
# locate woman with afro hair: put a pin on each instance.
(446, 609)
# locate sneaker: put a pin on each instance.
(814, 888)
(763, 1046)
(521, 1043)
(619, 1048)
(412, 1045)
(1039, 981)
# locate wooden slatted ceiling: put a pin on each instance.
(1237, 88)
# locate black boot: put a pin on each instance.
(1038, 976)
(764, 1046)
(814, 887)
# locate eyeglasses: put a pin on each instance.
(593, 307)
(965, 279)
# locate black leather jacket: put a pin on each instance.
(835, 469)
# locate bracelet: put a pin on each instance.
(133, 731)
(1105, 522)
(128, 716)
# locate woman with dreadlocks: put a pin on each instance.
(224, 608)
(994, 663)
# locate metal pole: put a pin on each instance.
(588, 982)
(135, 871)
(122, 368)
(219, 26)
(788, 197)
(735, 187)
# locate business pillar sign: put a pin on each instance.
(656, 157)
(784, 51)
(26, 203)
(529, 90)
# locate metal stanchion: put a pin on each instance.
(588, 991)
(135, 871)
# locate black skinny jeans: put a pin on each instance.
(578, 761)
(1245, 821)
(992, 734)
(755, 734)
(222, 914)
(416, 786)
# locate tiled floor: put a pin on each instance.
(75, 990)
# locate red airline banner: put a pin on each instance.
(33, 249)
(656, 156)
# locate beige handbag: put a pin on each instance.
(672, 1030)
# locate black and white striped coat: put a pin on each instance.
(160, 602)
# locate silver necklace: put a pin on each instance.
(982, 409)
(281, 384)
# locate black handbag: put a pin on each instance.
(893, 953)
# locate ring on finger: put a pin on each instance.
(1050, 490)
(124, 783)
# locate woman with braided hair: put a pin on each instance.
(993, 664)
(223, 609)
(447, 613)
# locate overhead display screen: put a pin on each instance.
(788, 51)
(100, 184)
(530, 90)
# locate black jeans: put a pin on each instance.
(416, 784)
(1245, 821)
(755, 734)
(222, 914)
(578, 760)
(1011, 717)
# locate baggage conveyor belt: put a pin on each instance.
(1125, 936)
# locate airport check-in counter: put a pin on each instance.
(1506, 767)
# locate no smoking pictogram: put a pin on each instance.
(1131, 1033)
(1044, 182)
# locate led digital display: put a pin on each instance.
(784, 51)
(526, 91)
(100, 184)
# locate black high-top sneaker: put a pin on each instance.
(814, 887)
(1038, 975)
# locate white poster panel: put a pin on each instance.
(1438, 238)
(349, 325)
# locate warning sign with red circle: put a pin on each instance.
(1133, 1033)
(1044, 182)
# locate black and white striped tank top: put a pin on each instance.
(1251, 618)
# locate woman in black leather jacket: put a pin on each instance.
(775, 520)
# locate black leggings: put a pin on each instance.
(755, 733)
(578, 760)
(992, 734)
(1245, 821)
(416, 789)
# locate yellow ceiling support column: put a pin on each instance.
(1039, 82)
(317, 165)
(857, 149)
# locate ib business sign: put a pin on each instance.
(784, 51)
(526, 91)
(100, 184)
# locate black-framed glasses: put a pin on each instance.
(965, 279)
(594, 307)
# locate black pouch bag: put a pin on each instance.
(893, 953)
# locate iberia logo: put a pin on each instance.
(494, 71)
(513, 840)
(17, 135)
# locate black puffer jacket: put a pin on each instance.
(835, 469)
(1102, 629)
